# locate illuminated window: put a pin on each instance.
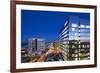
(76, 55)
(88, 46)
(65, 35)
(73, 46)
(64, 42)
(73, 29)
(74, 25)
(84, 46)
(65, 28)
(65, 23)
(76, 34)
(65, 39)
(79, 46)
(64, 32)
(79, 42)
(75, 42)
(87, 26)
(82, 26)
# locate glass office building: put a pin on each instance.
(74, 39)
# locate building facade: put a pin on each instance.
(74, 39)
(36, 46)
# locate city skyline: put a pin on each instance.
(47, 24)
(68, 34)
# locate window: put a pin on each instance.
(74, 25)
(88, 46)
(65, 29)
(87, 26)
(82, 26)
(79, 46)
(73, 29)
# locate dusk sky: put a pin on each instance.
(47, 24)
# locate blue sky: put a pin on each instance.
(47, 24)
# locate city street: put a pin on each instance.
(53, 54)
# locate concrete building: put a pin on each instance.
(74, 39)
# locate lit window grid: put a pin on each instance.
(69, 36)
(75, 34)
(76, 56)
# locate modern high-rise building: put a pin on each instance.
(74, 39)
(36, 45)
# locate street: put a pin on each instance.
(53, 54)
